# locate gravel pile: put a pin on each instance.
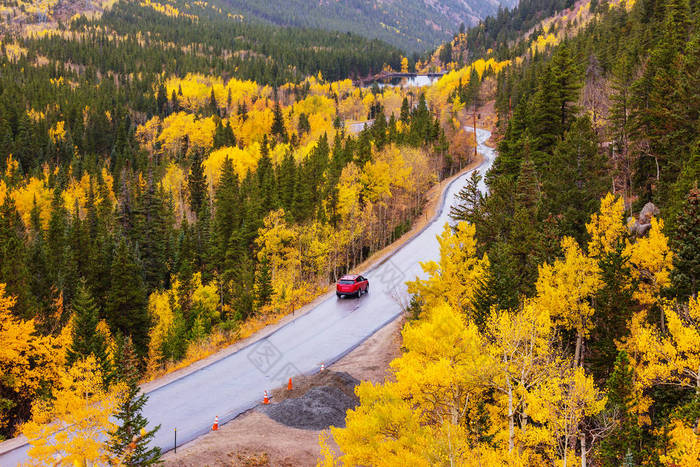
(320, 406)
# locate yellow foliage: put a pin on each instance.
(418, 419)
(684, 444)
(542, 42)
(71, 428)
(439, 93)
(196, 90)
(565, 288)
(672, 357)
(349, 190)
(320, 110)
(444, 366)
(166, 9)
(163, 319)
(456, 278)
(177, 126)
(58, 131)
(76, 194)
(147, 134)
(651, 260)
(562, 402)
(383, 430)
(278, 245)
(35, 190)
(256, 126)
(174, 184)
(606, 228)
(3, 191)
(243, 160)
(35, 115)
(11, 167)
(205, 300)
(14, 51)
(28, 361)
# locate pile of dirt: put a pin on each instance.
(301, 384)
(316, 403)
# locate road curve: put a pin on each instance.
(236, 383)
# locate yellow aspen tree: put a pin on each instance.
(651, 260)
(383, 430)
(72, 427)
(561, 403)
(420, 418)
(28, 361)
(683, 446)
(672, 357)
(456, 277)
(565, 289)
(279, 245)
(376, 180)
(522, 342)
(444, 368)
(163, 319)
(327, 456)
(606, 228)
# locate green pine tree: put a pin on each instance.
(86, 339)
(263, 284)
(126, 300)
(626, 437)
(576, 179)
(470, 204)
(685, 242)
(227, 214)
(130, 440)
(278, 129)
(197, 181)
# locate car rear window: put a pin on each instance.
(346, 282)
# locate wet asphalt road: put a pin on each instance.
(236, 383)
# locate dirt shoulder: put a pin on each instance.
(254, 439)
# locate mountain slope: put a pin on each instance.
(414, 25)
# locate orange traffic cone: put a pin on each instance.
(266, 399)
(289, 385)
(215, 426)
(323, 367)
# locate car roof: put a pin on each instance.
(349, 277)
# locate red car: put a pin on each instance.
(352, 284)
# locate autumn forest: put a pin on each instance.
(174, 178)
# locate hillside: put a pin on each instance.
(412, 25)
(180, 37)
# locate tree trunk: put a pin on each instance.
(584, 462)
(511, 426)
(579, 344)
(658, 174)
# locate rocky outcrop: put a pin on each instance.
(640, 226)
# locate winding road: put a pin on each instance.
(235, 383)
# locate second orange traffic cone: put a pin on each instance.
(289, 385)
(266, 399)
(215, 426)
